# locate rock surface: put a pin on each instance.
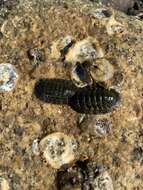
(36, 25)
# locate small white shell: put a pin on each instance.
(8, 77)
(102, 70)
(58, 149)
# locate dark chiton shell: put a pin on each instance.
(94, 100)
(55, 91)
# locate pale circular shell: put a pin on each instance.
(58, 149)
(8, 77)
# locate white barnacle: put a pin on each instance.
(8, 77)
(58, 149)
(85, 50)
(114, 27)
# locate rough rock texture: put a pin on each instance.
(36, 24)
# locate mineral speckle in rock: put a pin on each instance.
(8, 77)
(58, 149)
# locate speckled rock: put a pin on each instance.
(35, 24)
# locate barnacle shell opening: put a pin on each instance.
(58, 149)
(80, 76)
(8, 77)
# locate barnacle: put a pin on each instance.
(80, 76)
(60, 47)
(35, 55)
(99, 126)
(8, 77)
(84, 50)
(102, 70)
(58, 149)
(114, 27)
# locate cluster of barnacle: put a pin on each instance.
(60, 151)
(88, 64)
(86, 58)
